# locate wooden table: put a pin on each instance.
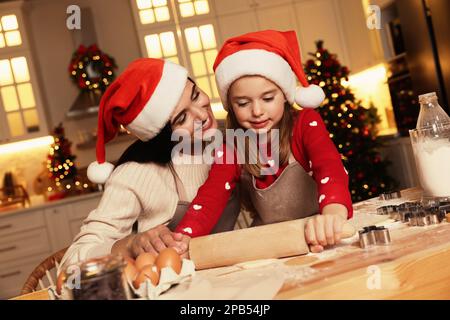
(416, 265)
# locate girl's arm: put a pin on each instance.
(212, 197)
(316, 152)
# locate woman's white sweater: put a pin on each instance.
(143, 192)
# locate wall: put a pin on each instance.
(53, 48)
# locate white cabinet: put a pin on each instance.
(28, 237)
(237, 24)
(24, 242)
(277, 18)
(318, 21)
(80, 210)
(226, 7)
(363, 45)
(58, 226)
(14, 274)
(340, 23)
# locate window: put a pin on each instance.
(9, 31)
(202, 48)
(185, 33)
(162, 45)
(151, 11)
(19, 102)
(17, 96)
(190, 8)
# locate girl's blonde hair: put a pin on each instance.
(285, 127)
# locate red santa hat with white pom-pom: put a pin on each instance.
(141, 99)
(272, 54)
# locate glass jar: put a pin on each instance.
(431, 113)
(431, 147)
(98, 279)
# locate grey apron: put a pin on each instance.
(226, 221)
(293, 195)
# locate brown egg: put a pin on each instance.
(169, 258)
(144, 259)
(148, 272)
(60, 282)
(130, 270)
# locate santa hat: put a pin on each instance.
(272, 54)
(141, 99)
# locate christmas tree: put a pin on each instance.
(60, 160)
(352, 127)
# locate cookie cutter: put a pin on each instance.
(373, 235)
(390, 195)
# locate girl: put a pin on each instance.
(256, 76)
(151, 98)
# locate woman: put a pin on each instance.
(152, 98)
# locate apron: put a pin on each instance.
(293, 195)
(226, 221)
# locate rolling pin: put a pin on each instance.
(277, 240)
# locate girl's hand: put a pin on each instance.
(325, 229)
(184, 241)
(155, 240)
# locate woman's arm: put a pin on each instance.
(109, 227)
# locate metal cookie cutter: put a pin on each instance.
(390, 195)
(425, 217)
(373, 235)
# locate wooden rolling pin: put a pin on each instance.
(278, 240)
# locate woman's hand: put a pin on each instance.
(155, 240)
(325, 229)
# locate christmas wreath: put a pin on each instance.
(92, 69)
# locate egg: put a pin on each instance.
(60, 282)
(130, 270)
(169, 258)
(144, 259)
(148, 272)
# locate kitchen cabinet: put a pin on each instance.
(340, 23)
(277, 18)
(236, 24)
(362, 45)
(318, 20)
(29, 236)
(231, 6)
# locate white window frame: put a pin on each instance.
(23, 50)
(177, 24)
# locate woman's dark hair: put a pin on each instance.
(157, 149)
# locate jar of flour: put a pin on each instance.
(431, 146)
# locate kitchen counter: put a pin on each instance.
(38, 202)
(414, 266)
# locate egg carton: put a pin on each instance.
(53, 294)
(147, 290)
(167, 279)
